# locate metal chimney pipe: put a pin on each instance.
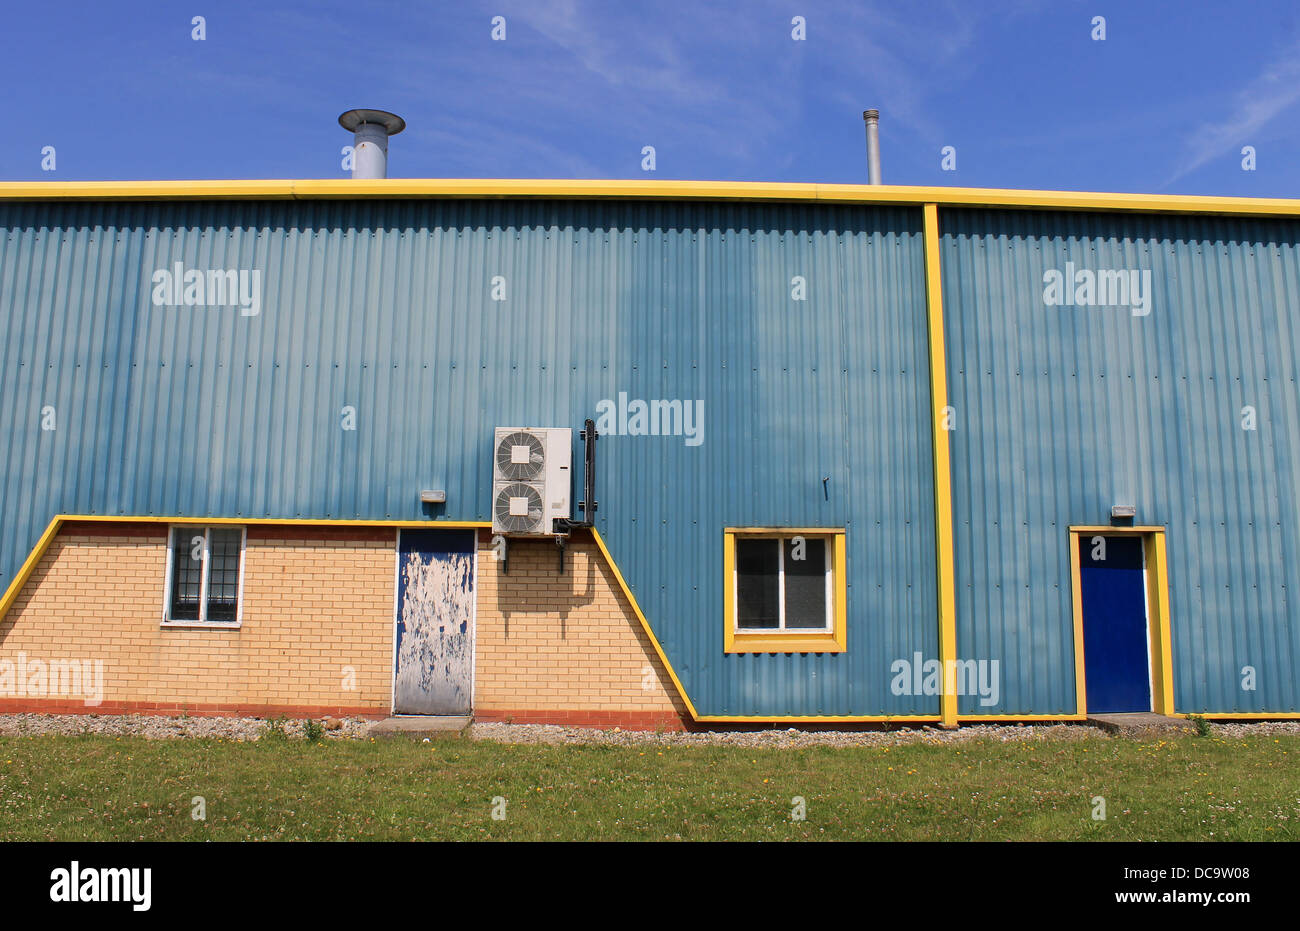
(872, 119)
(370, 131)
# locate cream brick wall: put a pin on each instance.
(319, 600)
(311, 608)
(571, 642)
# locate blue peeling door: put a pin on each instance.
(1115, 652)
(435, 622)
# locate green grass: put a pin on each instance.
(103, 788)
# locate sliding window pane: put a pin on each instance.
(223, 575)
(757, 569)
(805, 585)
(187, 574)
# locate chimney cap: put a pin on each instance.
(352, 120)
(871, 114)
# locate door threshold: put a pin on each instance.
(420, 724)
(1140, 723)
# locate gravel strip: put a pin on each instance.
(793, 738)
(775, 739)
(161, 726)
(164, 727)
(1255, 728)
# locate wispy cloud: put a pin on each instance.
(657, 78)
(487, 150)
(580, 86)
(735, 86)
(903, 62)
(1274, 91)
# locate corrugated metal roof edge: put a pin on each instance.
(405, 188)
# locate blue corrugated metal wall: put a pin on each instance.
(386, 307)
(1065, 411)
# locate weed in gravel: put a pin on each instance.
(275, 729)
(313, 730)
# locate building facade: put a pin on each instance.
(865, 453)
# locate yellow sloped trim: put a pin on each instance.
(29, 566)
(637, 189)
(645, 624)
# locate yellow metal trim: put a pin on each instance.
(833, 641)
(289, 521)
(967, 718)
(785, 643)
(1115, 531)
(1240, 715)
(29, 566)
(728, 590)
(817, 718)
(146, 190)
(943, 535)
(902, 195)
(1162, 665)
(645, 624)
(782, 531)
(1076, 613)
(1158, 623)
(840, 583)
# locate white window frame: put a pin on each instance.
(202, 622)
(781, 628)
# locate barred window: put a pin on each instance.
(204, 575)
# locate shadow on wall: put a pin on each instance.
(39, 574)
(533, 584)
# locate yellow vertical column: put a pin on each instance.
(942, 470)
(1158, 567)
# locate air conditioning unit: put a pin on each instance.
(531, 481)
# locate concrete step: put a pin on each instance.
(417, 724)
(1142, 724)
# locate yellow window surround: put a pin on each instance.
(782, 641)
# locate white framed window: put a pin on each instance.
(783, 584)
(205, 576)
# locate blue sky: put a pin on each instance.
(1020, 89)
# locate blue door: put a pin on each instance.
(435, 622)
(1115, 652)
